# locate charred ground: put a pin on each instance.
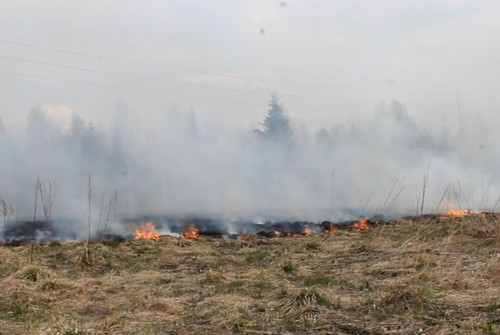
(429, 276)
(43, 232)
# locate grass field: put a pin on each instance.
(439, 276)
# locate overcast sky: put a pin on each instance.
(331, 61)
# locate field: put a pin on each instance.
(428, 276)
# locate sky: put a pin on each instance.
(331, 61)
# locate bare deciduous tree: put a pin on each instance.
(111, 210)
(48, 191)
(7, 210)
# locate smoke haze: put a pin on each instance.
(164, 106)
(179, 166)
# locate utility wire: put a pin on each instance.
(125, 61)
(114, 74)
(137, 90)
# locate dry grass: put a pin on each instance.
(428, 277)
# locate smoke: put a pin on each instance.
(179, 166)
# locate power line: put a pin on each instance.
(123, 89)
(151, 79)
(125, 61)
(137, 90)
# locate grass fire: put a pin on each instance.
(191, 232)
(425, 274)
(249, 167)
(148, 232)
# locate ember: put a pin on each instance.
(307, 231)
(148, 233)
(192, 233)
(362, 224)
(331, 230)
(245, 237)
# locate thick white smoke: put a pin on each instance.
(178, 166)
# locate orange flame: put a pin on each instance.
(457, 213)
(192, 233)
(307, 231)
(362, 224)
(148, 233)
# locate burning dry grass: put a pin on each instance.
(439, 276)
